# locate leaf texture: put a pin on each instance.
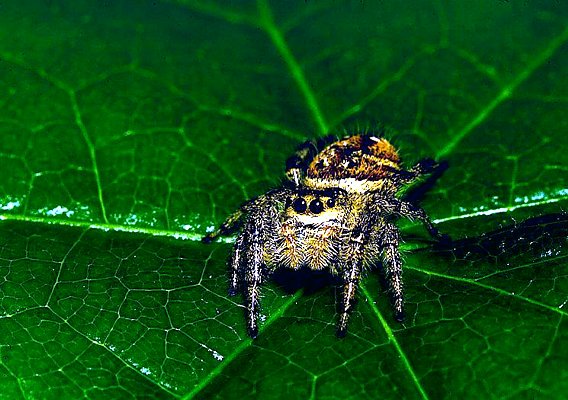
(131, 128)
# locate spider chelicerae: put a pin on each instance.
(336, 212)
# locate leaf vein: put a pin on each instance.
(505, 93)
(489, 287)
(296, 71)
(394, 342)
(245, 344)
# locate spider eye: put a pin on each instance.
(330, 203)
(316, 206)
(299, 205)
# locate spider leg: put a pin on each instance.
(409, 210)
(253, 280)
(350, 266)
(233, 221)
(423, 167)
(236, 262)
(252, 243)
(246, 262)
(297, 165)
(392, 262)
(230, 225)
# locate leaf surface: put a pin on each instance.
(131, 128)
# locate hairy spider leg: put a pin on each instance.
(408, 210)
(297, 164)
(407, 177)
(253, 279)
(230, 225)
(392, 262)
(236, 262)
(424, 167)
(262, 214)
(352, 260)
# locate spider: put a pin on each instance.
(335, 211)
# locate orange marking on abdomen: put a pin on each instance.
(360, 157)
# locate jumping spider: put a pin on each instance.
(335, 211)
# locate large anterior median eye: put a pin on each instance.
(299, 205)
(316, 206)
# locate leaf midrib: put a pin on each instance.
(196, 236)
(394, 342)
(313, 107)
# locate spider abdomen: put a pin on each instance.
(359, 157)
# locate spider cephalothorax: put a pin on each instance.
(335, 212)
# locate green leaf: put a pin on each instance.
(130, 126)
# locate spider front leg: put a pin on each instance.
(245, 264)
(253, 280)
(297, 164)
(350, 265)
(392, 262)
(424, 167)
(249, 263)
(230, 225)
(236, 262)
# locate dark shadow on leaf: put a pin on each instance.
(310, 281)
(417, 193)
(541, 237)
